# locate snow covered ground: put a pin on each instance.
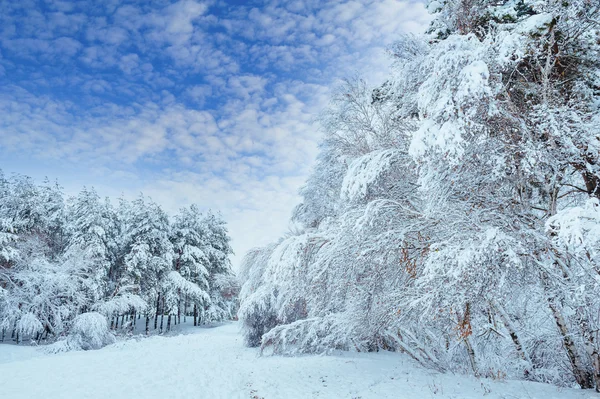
(213, 363)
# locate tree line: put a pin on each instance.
(116, 265)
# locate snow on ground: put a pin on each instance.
(213, 363)
(12, 353)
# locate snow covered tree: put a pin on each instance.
(91, 237)
(191, 260)
(53, 210)
(42, 296)
(149, 256)
(20, 206)
(451, 215)
(516, 82)
(218, 250)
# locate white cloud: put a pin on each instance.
(186, 104)
(129, 62)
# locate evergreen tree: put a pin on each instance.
(90, 237)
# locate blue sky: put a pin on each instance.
(208, 102)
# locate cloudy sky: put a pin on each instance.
(207, 102)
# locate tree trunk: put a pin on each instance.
(195, 315)
(471, 354)
(596, 364)
(591, 345)
(185, 306)
(157, 310)
(162, 315)
(169, 323)
(582, 376)
(595, 360)
(591, 180)
(147, 325)
(513, 334)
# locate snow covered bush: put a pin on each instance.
(90, 331)
(255, 312)
(29, 324)
(257, 317)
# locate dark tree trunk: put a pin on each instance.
(185, 306)
(147, 325)
(157, 310)
(169, 323)
(131, 320)
(195, 315)
(591, 180)
(162, 315)
(596, 365)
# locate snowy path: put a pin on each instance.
(212, 363)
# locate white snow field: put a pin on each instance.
(213, 363)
